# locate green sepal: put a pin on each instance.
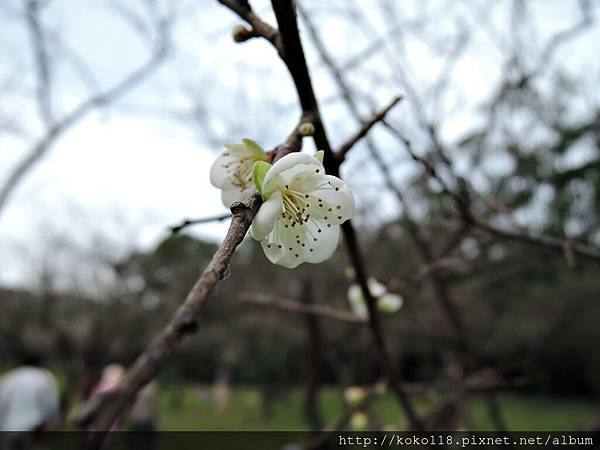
(254, 148)
(259, 170)
(319, 156)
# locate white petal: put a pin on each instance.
(357, 302)
(292, 245)
(287, 162)
(355, 294)
(336, 203)
(281, 258)
(390, 303)
(322, 249)
(277, 247)
(220, 176)
(229, 196)
(273, 252)
(280, 255)
(376, 288)
(239, 151)
(264, 221)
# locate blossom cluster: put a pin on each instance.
(303, 207)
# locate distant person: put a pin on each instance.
(221, 391)
(29, 403)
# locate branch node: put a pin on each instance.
(187, 323)
(240, 33)
(306, 129)
(238, 208)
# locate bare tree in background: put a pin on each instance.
(147, 19)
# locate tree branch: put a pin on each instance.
(259, 26)
(175, 229)
(255, 298)
(293, 55)
(365, 128)
(463, 204)
(183, 322)
(329, 312)
(101, 414)
(42, 68)
(440, 288)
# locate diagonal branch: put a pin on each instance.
(105, 413)
(102, 414)
(365, 128)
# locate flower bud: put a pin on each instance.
(354, 395)
(359, 421)
(306, 129)
(350, 272)
(240, 33)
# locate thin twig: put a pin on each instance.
(337, 314)
(462, 201)
(259, 26)
(175, 229)
(42, 66)
(258, 299)
(365, 128)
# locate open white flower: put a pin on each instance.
(303, 210)
(232, 170)
(387, 302)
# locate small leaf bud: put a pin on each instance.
(306, 129)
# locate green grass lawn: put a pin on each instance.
(182, 409)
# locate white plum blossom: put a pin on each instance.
(232, 170)
(356, 299)
(303, 209)
(387, 302)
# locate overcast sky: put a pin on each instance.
(133, 167)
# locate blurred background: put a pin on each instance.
(112, 112)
